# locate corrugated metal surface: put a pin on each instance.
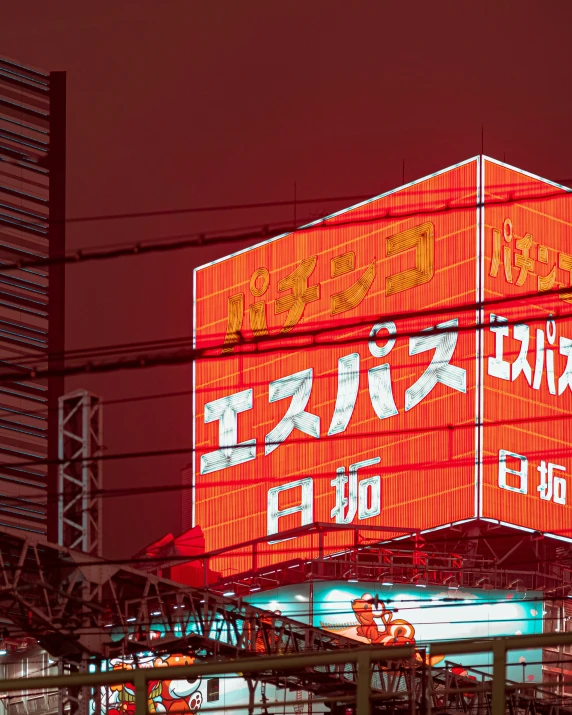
(27, 165)
(528, 254)
(421, 256)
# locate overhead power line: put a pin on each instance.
(266, 345)
(117, 401)
(427, 466)
(198, 240)
(232, 207)
(26, 358)
(311, 330)
(213, 209)
(365, 548)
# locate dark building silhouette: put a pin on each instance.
(32, 228)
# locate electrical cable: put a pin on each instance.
(16, 632)
(205, 483)
(234, 207)
(210, 209)
(377, 544)
(201, 240)
(318, 611)
(135, 398)
(525, 296)
(310, 330)
(472, 328)
(265, 345)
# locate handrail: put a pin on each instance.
(363, 657)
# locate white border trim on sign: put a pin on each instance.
(526, 173)
(271, 240)
(446, 526)
(479, 338)
(337, 213)
(568, 190)
(194, 403)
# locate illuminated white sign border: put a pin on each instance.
(480, 161)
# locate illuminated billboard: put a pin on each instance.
(387, 614)
(377, 613)
(192, 695)
(341, 377)
(527, 371)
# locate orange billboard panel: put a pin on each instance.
(527, 368)
(337, 376)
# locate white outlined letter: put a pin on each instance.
(497, 366)
(439, 369)
(379, 378)
(229, 454)
(297, 386)
(522, 473)
(305, 508)
(348, 386)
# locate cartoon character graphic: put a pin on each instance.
(179, 697)
(122, 697)
(175, 696)
(376, 625)
(391, 631)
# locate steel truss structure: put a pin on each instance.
(81, 608)
(400, 565)
(77, 605)
(388, 680)
(470, 557)
(80, 435)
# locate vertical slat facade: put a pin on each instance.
(32, 225)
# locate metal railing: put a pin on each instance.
(364, 560)
(398, 567)
(364, 679)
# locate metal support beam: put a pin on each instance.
(499, 676)
(57, 283)
(300, 670)
(73, 700)
(80, 435)
(74, 603)
(140, 683)
(363, 683)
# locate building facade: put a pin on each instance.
(32, 229)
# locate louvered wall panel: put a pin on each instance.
(32, 209)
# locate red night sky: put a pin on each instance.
(182, 104)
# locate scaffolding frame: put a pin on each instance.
(366, 679)
(80, 434)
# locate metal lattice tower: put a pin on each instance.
(79, 477)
